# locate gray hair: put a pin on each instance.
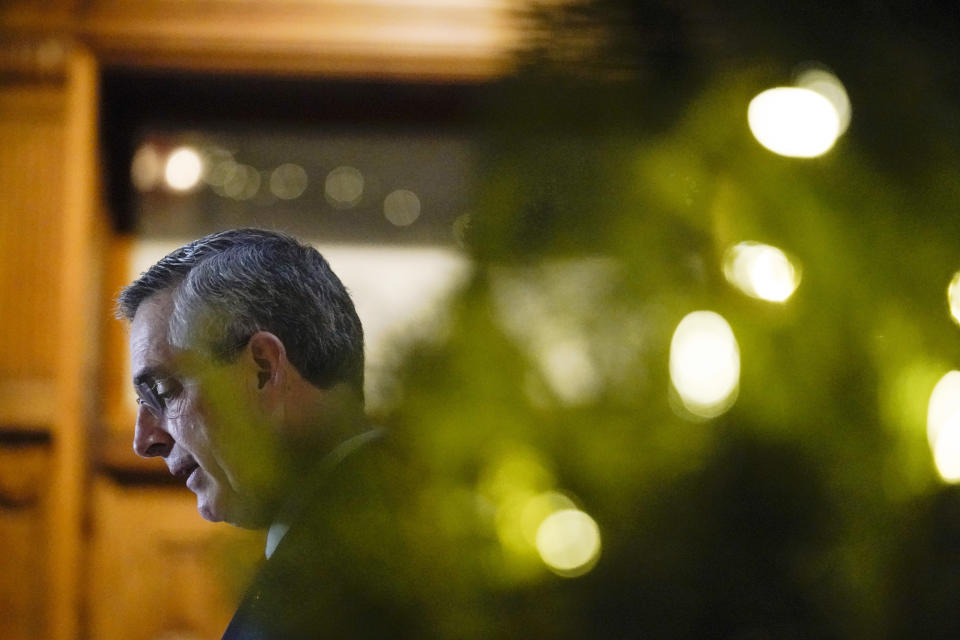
(231, 284)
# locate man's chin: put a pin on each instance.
(214, 511)
(212, 504)
(208, 511)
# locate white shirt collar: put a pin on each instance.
(274, 535)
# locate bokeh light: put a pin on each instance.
(183, 169)
(514, 486)
(830, 87)
(343, 187)
(953, 297)
(537, 509)
(794, 122)
(288, 181)
(761, 271)
(568, 542)
(401, 207)
(705, 363)
(946, 450)
(943, 426)
(146, 168)
(219, 172)
(567, 366)
(516, 469)
(242, 182)
(944, 406)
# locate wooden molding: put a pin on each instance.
(417, 39)
(439, 38)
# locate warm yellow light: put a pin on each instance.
(512, 480)
(344, 187)
(946, 450)
(761, 271)
(183, 169)
(705, 363)
(943, 426)
(401, 207)
(516, 470)
(944, 406)
(567, 367)
(509, 524)
(220, 173)
(953, 297)
(536, 509)
(288, 181)
(830, 87)
(242, 182)
(568, 542)
(145, 168)
(794, 122)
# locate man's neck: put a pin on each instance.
(315, 477)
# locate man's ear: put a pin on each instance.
(269, 357)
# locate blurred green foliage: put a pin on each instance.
(618, 169)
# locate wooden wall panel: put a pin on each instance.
(158, 570)
(24, 494)
(78, 306)
(32, 129)
(51, 226)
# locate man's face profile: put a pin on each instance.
(247, 359)
(188, 430)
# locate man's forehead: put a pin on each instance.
(150, 350)
(153, 314)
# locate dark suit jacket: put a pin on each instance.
(341, 570)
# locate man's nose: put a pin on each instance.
(149, 437)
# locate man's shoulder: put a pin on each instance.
(343, 568)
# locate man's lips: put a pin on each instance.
(183, 471)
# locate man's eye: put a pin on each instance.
(166, 390)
